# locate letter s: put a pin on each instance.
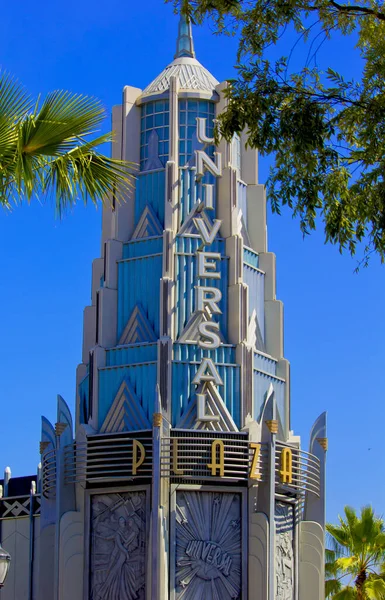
(213, 340)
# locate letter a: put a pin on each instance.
(286, 471)
(207, 372)
(214, 465)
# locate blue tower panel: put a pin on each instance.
(262, 383)
(183, 390)
(143, 247)
(84, 399)
(142, 378)
(256, 281)
(150, 189)
(193, 353)
(187, 280)
(265, 364)
(139, 283)
(130, 355)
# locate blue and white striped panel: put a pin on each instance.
(183, 391)
(142, 379)
(139, 283)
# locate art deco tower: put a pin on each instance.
(183, 479)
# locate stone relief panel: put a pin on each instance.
(118, 546)
(284, 551)
(208, 546)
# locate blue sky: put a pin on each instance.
(334, 319)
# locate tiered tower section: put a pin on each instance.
(183, 479)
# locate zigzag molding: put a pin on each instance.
(138, 328)
(126, 412)
(148, 225)
(214, 406)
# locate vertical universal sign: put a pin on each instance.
(207, 297)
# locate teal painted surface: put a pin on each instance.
(139, 283)
(263, 363)
(193, 353)
(142, 379)
(193, 191)
(189, 244)
(250, 257)
(129, 355)
(143, 247)
(150, 189)
(261, 385)
(84, 399)
(183, 391)
(186, 282)
(256, 282)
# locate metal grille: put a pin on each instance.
(305, 471)
(107, 458)
(194, 455)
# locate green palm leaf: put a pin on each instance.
(48, 150)
(347, 593)
(374, 589)
(332, 586)
(357, 550)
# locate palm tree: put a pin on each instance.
(355, 564)
(48, 148)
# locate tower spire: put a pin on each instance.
(185, 42)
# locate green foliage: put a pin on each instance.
(355, 564)
(45, 148)
(327, 134)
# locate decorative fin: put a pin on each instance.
(254, 335)
(185, 43)
(126, 412)
(48, 437)
(64, 413)
(138, 329)
(64, 421)
(153, 161)
(214, 406)
(243, 231)
(148, 225)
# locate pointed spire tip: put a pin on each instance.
(185, 42)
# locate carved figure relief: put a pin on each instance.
(118, 546)
(208, 546)
(284, 553)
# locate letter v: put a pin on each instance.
(207, 236)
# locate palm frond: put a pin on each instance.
(14, 104)
(374, 588)
(47, 150)
(63, 117)
(339, 534)
(347, 593)
(347, 563)
(84, 173)
(332, 586)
